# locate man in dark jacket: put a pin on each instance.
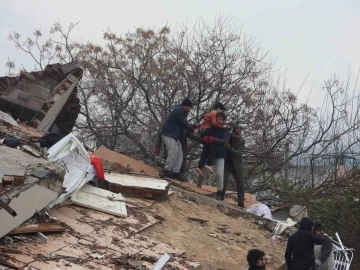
(171, 132)
(256, 259)
(299, 253)
(234, 163)
(183, 140)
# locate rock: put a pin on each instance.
(212, 235)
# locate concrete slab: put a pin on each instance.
(25, 205)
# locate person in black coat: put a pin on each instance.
(299, 253)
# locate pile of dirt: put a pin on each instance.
(220, 243)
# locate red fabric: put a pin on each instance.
(157, 151)
(208, 139)
(96, 162)
(209, 121)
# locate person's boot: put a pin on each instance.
(167, 174)
(223, 195)
(219, 195)
(241, 204)
(177, 176)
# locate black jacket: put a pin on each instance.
(175, 123)
(299, 254)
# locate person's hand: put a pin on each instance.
(205, 139)
(211, 139)
(156, 151)
(227, 145)
(317, 262)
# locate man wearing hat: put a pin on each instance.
(171, 132)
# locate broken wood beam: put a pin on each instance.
(35, 228)
(7, 208)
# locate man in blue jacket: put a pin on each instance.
(171, 132)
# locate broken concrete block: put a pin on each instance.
(28, 202)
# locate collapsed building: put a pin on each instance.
(45, 100)
(55, 215)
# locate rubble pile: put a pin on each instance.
(45, 100)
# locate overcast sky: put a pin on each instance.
(317, 36)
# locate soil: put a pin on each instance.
(220, 243)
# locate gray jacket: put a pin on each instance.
(324, 255)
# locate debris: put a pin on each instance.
(34, 228)
(161, 262)
(47, 97)
(154, 210)
(97, 256)
(42, 237)
(8, 119)
(31, 150)
(159, 217)
(10, 172)
(202, 221)
(13, 179)
(109, 157)
(7, 208)
(137, 186)
(29, 201)
(72, 154)
(7, 240)
(212, 235)
(99, 203)
(103, 193)
(41, 173)
(5, 263)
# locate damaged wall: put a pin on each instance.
(30, 96)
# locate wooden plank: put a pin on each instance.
(136, 186)
(34, 228)
(116, 208)
(125, 161)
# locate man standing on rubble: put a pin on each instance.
(183, 140)
(171, 132)
(234, 163)
(299, 253)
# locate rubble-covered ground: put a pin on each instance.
(220, 243)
